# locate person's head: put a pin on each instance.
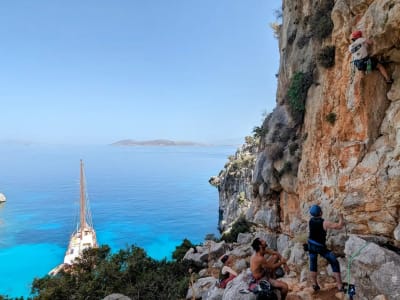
(315, 210)
(224, 258)
(356, 35)
(258, 244)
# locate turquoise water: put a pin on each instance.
(152, 197)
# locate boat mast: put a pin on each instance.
(83, 202)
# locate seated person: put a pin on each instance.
(261, 268)
(227, 273)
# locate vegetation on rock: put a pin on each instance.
(297, 94)
(240, 226)
(326, 57)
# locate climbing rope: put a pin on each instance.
(351, 288)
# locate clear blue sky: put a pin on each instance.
(99, 71)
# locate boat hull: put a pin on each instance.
(80, 240)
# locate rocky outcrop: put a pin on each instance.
(369, 264)
(334, 135)
(2, 198)
(381, 265)
(342, 148)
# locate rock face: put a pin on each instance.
(334, 135)
(382, 266)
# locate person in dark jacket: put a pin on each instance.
(317, 245)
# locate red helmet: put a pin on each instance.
(356, 35)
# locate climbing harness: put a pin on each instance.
(351, 288)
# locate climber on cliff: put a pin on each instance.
(361, 58)
(317, 245)
(261, 268)
(227, 273)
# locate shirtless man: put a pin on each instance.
(261, 267)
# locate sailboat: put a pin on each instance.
(84, 235)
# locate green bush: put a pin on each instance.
(181, 250)
(260, 131)
(331, 118)
(297, 93)
(326, 57)
(240, 226)
(321, 22)
(130, 272)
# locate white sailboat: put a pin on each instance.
(84, 236)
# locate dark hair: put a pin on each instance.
(256, 244)
(224, 258)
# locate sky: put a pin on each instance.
(97, 71)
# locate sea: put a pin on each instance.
(152, 197)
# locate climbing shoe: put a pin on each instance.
(316, 287)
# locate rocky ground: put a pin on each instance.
(373, 270)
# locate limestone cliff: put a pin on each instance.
(333, 139)
(334, 136)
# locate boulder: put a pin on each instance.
(373, 269)
(201, 287)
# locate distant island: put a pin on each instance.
(159, 142)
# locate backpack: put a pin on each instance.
(264, 291)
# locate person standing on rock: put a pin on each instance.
(317, 245)
(361, 58)
(261, 268)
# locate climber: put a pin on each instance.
(227, 273)
(317, 245)
(361, 58)
(261, 268)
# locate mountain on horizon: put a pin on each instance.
(157, 142)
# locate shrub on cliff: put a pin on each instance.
(321, 22)
(326, 57)
(297, 94)
(240, 226)
(130, 272)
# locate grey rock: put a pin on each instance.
(210, 250)
(297, 255)
(244, 238)
(232, 291)
(214, 293)
(282, 242)
(396, 233)
(371, 253)
(117, 297)
(242, 251)
(267, 217)
(387, 279)
(201, 287)
(374, 269)
(241, 265)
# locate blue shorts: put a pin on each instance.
(314, 250)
